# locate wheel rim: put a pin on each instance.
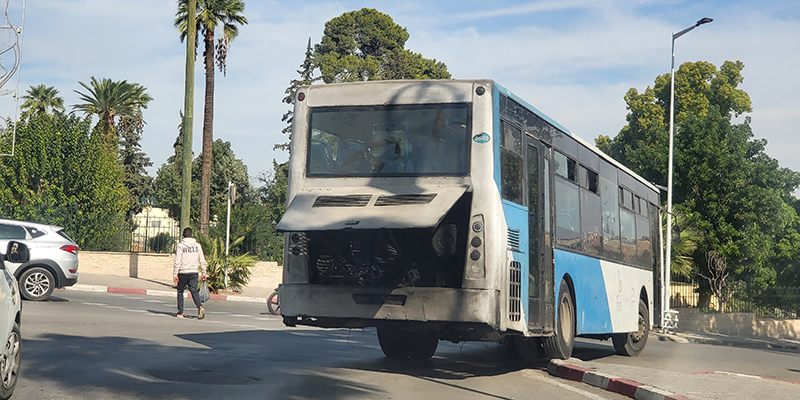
(10, 361)
(37, 284)
(638, 335)
(565, 320)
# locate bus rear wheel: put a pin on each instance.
(402, 344)
(632, 343)
(560, 344)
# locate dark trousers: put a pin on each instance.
(188, 281)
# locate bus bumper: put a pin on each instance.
(355, 307)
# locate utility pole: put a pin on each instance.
(231, 199)
(188, 113)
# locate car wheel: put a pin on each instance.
(36, 284)
(9, 363)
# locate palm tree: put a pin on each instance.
(108, 99)
(42, 99)
(224, 15)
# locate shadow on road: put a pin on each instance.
(299, 364)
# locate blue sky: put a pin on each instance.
(572, 59)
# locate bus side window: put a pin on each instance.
(609, 194)
(511, 163)
(568, 222)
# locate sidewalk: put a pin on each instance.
(758, 342)
(122, 284)
(660, 384)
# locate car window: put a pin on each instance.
(12, 232)
(64, 235)
(35, 232)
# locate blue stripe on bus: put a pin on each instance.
(517, 219)
(592, 312)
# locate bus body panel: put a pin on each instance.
(606, 293)
(418, 304)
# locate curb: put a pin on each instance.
(160, 293)
(625, 387)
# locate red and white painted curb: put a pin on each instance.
(161, 293)
(625, 387)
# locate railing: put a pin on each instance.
(774, 302)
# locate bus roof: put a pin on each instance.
(577, 138)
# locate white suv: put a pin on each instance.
(53, 257)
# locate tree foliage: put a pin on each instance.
(134, 161)
(225, 167)
(307, 77)
(729, 189)
(108, 99)
(368, 45)
(41, 99)
(49, 179)
(212, 15)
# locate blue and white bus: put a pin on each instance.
(454, 210)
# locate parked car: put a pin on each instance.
(53, 257)
(10, 317)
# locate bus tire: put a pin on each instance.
(632, 343)
(401, 344)
(560, 344)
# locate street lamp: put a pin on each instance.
(668, 267)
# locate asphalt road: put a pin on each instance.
(85, 345)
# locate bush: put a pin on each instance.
(238, 266)
(161, 243)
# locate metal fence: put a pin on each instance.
(774, 302)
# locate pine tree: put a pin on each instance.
(134, 160)
(306, 73)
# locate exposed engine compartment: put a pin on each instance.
(433, 257)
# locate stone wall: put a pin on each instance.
(738, 324)
(266, 274)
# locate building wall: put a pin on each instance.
(266, 274)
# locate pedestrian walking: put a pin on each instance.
(189, 256)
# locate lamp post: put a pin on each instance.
(668, 267)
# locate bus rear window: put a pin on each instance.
(414, 140)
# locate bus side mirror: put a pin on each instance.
(17, 253)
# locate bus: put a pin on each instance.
(454, 210)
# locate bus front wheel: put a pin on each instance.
(560, 344)
(632, 343)
(402, 344)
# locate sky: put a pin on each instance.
(572, 59)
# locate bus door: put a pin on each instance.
(541, 311)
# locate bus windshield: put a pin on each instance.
(368, 141)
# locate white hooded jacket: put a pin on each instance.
(188, 256)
